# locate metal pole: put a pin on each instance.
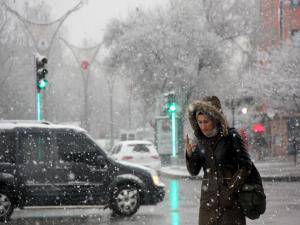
(174, 150)
(129, 113)
(85, 107)
(111, 120)
(233, 112)
(38, 106)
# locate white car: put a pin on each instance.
(137, 151)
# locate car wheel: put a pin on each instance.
(125, 200)
(6, 205)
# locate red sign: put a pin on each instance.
(258, 128)
(85, 65)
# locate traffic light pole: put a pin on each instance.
(38, 106)
(174, 150)
(41, 81)
(171, 107)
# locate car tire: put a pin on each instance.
(125, 200)
(6, 204)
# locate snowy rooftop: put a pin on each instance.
(11, 124)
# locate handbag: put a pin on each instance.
(251, 196)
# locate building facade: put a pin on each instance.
(279, 20)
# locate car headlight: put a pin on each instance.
(156, 180)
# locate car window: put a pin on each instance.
(7, 147)
(73, 147)
(141, 148)
(116, 149)
(37, 147)
(68, 143)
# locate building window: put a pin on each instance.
(294, 3)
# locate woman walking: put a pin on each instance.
(221, 153)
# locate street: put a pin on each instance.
(104, 102)
(180, 207)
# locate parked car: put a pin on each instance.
(137, 151)
(45, 164)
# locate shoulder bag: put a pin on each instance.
(251, 196)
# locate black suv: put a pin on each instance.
(46, 164)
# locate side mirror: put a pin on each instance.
(101, 160)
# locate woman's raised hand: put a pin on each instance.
(188, 146)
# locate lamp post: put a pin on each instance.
(85, 57)
(110, 80)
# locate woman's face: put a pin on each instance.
(205, 123)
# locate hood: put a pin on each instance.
(134, 165)
(208, 108)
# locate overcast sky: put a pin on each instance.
(89, 21)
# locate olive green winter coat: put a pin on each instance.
(225, 163)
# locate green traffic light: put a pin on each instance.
(172, 107)
(42, 84)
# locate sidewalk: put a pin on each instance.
(271, 169)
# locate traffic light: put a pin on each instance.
(171, 107)
(171, 103)
(41, 72)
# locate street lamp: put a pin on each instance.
(84, 57)
(244, 110)
(234, 103)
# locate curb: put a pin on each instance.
(264, 178)
(282, 179)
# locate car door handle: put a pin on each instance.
(64, 166)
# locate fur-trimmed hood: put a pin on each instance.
(212, 107)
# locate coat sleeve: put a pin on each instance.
(243, 160)
(196, 161)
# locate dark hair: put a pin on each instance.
(214, 101)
